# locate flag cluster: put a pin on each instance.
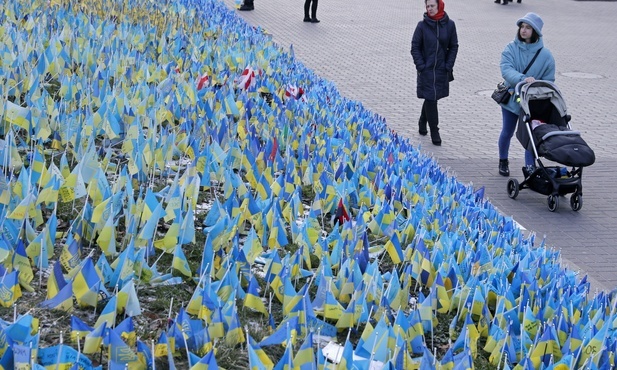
(139, 115)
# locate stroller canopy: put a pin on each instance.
(540, 90)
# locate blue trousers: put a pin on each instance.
(507, 131)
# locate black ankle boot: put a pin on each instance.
(422, 127)
(504, 170)
(435, 138)
(247, 5)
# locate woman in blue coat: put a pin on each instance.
(514, 60)
(434, 46)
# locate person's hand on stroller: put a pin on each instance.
(529, 80)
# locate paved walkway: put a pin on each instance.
(363, 47)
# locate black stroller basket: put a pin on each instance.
(544, 130)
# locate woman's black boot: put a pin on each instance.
(422, 126)
(504, 170)
(430, 112)
(435, 138)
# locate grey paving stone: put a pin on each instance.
(363, 47)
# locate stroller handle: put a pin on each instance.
(517, 88)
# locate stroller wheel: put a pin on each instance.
(512, 188)
(576, 201)
(553, 202)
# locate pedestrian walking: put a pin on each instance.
(434, 46)
(523, 59)
(312, 6)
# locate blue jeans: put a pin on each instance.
(507, 131)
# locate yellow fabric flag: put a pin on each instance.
(99, 211)
(19, 116)
(25, 208)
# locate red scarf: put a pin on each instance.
(440, 11)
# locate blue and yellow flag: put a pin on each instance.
(79, 328)
(22, 263)
(128, 300)
(258, 359)
(87, 285)
(62, 357)
(180, 263)
(94, 339)
(305, 357)
(252, 299)
(126, 331)
(9, 289)
(22, 356)
(108, 314)
(120, 354)
(61, 301)
(17, 115)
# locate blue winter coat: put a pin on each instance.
(515, 58)
(434, 46)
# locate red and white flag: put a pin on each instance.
(294, 92)
(204, 80)
(246, 79)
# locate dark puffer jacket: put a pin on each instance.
(434, 60)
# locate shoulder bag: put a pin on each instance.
(501, 94)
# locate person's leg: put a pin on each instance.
(508, 126)
(530, 159)
(314, 10)
(530, 163)
(432, 116)
(307, 5)
(422, 122)
(247, 5)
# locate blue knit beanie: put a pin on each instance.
(534, 21)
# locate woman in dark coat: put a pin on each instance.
(433, 47)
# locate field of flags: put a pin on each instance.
(136, 133)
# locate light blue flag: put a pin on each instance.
(103, 265)
(282, 332)
(377, 343)
(147, 231)
(22, 356)
(20, 330)
(187, 229)
(62, 356)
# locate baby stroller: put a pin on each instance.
(544, 129)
